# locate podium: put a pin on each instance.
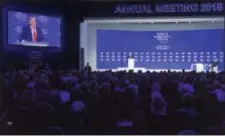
(199, 67)
(36, 44)
(131, 62)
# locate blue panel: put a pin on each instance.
(159, 49)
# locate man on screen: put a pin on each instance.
(31, 32)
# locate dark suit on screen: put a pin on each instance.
(26, 34)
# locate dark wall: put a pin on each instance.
(72, 20)
(106, 9)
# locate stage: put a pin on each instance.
(144, 70)
(156, 44)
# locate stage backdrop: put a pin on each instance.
(159, 49)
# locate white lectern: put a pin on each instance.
(37, 44)
(199, 67)
(130, 63)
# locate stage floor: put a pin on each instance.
(144, 70)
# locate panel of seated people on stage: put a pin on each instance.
(27, 29)
(159, 49)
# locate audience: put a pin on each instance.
(39, 100)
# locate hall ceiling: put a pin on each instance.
(69, 1)
(111, 0)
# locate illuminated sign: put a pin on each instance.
(216, 7)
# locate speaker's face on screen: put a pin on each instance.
(32, 22)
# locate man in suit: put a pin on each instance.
(130, 56)
(214, 65)
(88, 68)
(31, 32)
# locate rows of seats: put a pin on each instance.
(40, 100)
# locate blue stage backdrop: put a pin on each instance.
(159, 49)
(48, 29)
